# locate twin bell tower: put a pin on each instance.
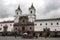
(31, 15)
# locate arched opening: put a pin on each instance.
(23, 29)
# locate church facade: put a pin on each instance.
(24, 23)
(27, 23)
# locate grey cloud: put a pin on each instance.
(9, 10)
(3, 10)
(52, 5)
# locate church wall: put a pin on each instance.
(27, 28)
(20, 28)
(16, 19)
(39, 25)
(10, 26)
(30, 28)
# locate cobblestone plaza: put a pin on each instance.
(19, 38)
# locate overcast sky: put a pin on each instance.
(44, 8)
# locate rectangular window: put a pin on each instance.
(0, 28)
(51, 23)
(46, 23)
(41, 24)
(10, 24)
(57, 23)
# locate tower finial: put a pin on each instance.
(32, 6)
(19, 7)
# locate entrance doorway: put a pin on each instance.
(23, 29)
(46, 31)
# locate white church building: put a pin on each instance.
(41, 26)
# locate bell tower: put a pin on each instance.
(32, 12)
(18, 12)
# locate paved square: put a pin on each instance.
(19, 38)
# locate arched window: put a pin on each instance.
(23, 20)
(30, 27)
(15, 28)
(31, 11)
